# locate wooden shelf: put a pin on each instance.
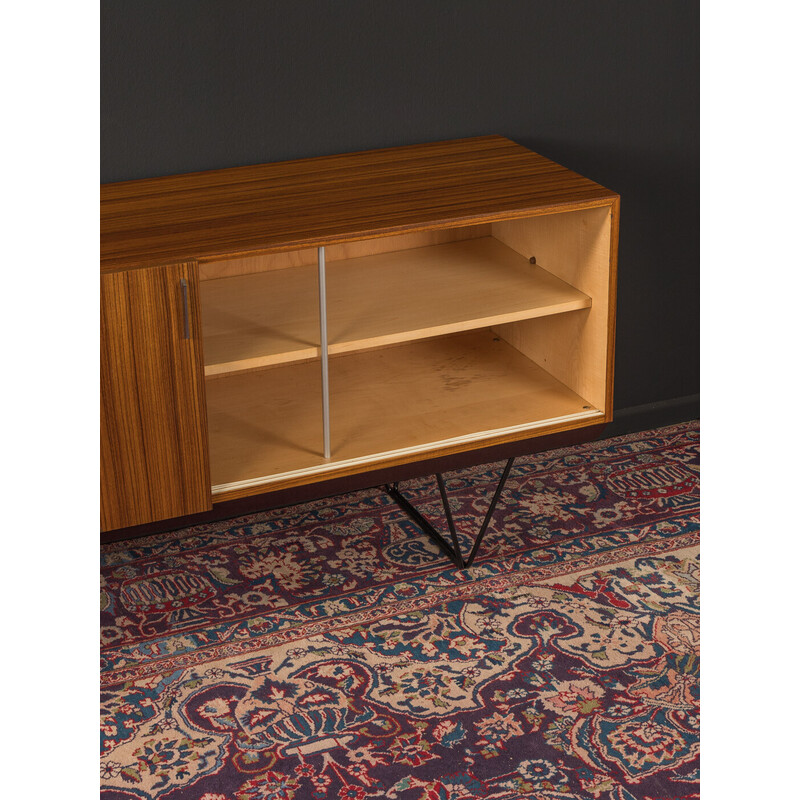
(265, 426)
(268, 318)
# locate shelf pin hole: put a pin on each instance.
(532, 259)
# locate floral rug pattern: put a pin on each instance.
(330, 651)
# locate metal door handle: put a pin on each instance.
(185, 293)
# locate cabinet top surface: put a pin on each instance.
(207, 216)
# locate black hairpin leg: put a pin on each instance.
(452, 551)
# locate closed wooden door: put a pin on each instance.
(153, 427)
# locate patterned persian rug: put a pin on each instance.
(329, 651)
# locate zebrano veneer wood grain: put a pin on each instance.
(153, 431)
(471, 302)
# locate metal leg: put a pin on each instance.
(452, 551)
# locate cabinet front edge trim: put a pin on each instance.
(390, 454)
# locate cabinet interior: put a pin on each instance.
(435, 339)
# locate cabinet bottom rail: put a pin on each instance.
(451, 549)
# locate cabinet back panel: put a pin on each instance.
(338, 252)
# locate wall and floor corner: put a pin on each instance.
(611, 90)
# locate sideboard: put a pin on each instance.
(282, 325)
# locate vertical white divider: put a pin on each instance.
(323, 340)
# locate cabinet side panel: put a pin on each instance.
(574, 347)
(154, 454)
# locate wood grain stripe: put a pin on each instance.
(306, 203)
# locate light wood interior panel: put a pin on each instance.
(576, 247)
(338, 252)
(252, 321)
(411, 396)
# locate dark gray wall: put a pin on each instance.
(610, 89)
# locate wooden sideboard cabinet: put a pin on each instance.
(286, 324)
